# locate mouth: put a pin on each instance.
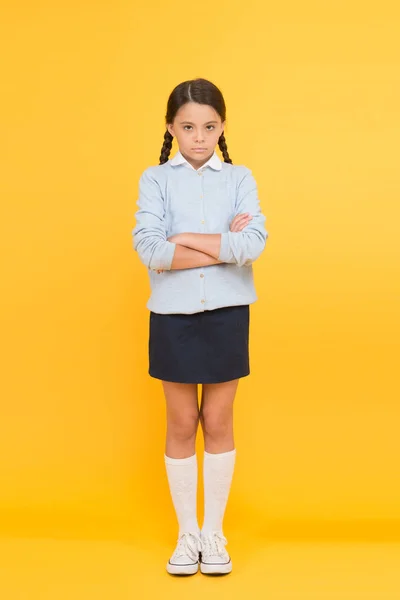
(199, 149)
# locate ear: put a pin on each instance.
(171, 129)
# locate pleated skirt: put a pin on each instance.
(205, 347)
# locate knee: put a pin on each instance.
(216, 424)
(183, 427)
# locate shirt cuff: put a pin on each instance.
(225, 249)
(169, 255)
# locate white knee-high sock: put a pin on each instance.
(218, 472)
(182, 479)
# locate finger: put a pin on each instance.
(241, 216)
(242, 227)
(238, 219)
(241, 223)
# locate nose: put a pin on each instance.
(199, 137)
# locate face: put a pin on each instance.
(196, 128)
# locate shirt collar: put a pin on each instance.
(214, 161)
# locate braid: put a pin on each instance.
(166, 149)
(224, 148)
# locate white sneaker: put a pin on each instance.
(185, 559)
(214, 558)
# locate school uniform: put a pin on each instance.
(199, 317)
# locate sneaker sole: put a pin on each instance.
(216, 569)
(182, 569)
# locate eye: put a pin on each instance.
(212, 127)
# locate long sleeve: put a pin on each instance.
(244, 247)
(149, 234)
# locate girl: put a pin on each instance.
(198, 229)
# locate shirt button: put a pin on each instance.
(203, 222)
(202, 301)
(201, 275)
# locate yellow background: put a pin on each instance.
(313, 95)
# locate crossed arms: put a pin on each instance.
(202, 249)
(242, 244)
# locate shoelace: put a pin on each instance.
(213, 544)
(189, 544)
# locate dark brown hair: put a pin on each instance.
(201, 91)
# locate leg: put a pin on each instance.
(182, 419)
(216, 416)
(181, 466)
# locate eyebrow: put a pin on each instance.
(190, 123)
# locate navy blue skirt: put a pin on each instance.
(205, 347)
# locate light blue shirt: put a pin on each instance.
(176, 198)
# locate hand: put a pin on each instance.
(240, 222)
